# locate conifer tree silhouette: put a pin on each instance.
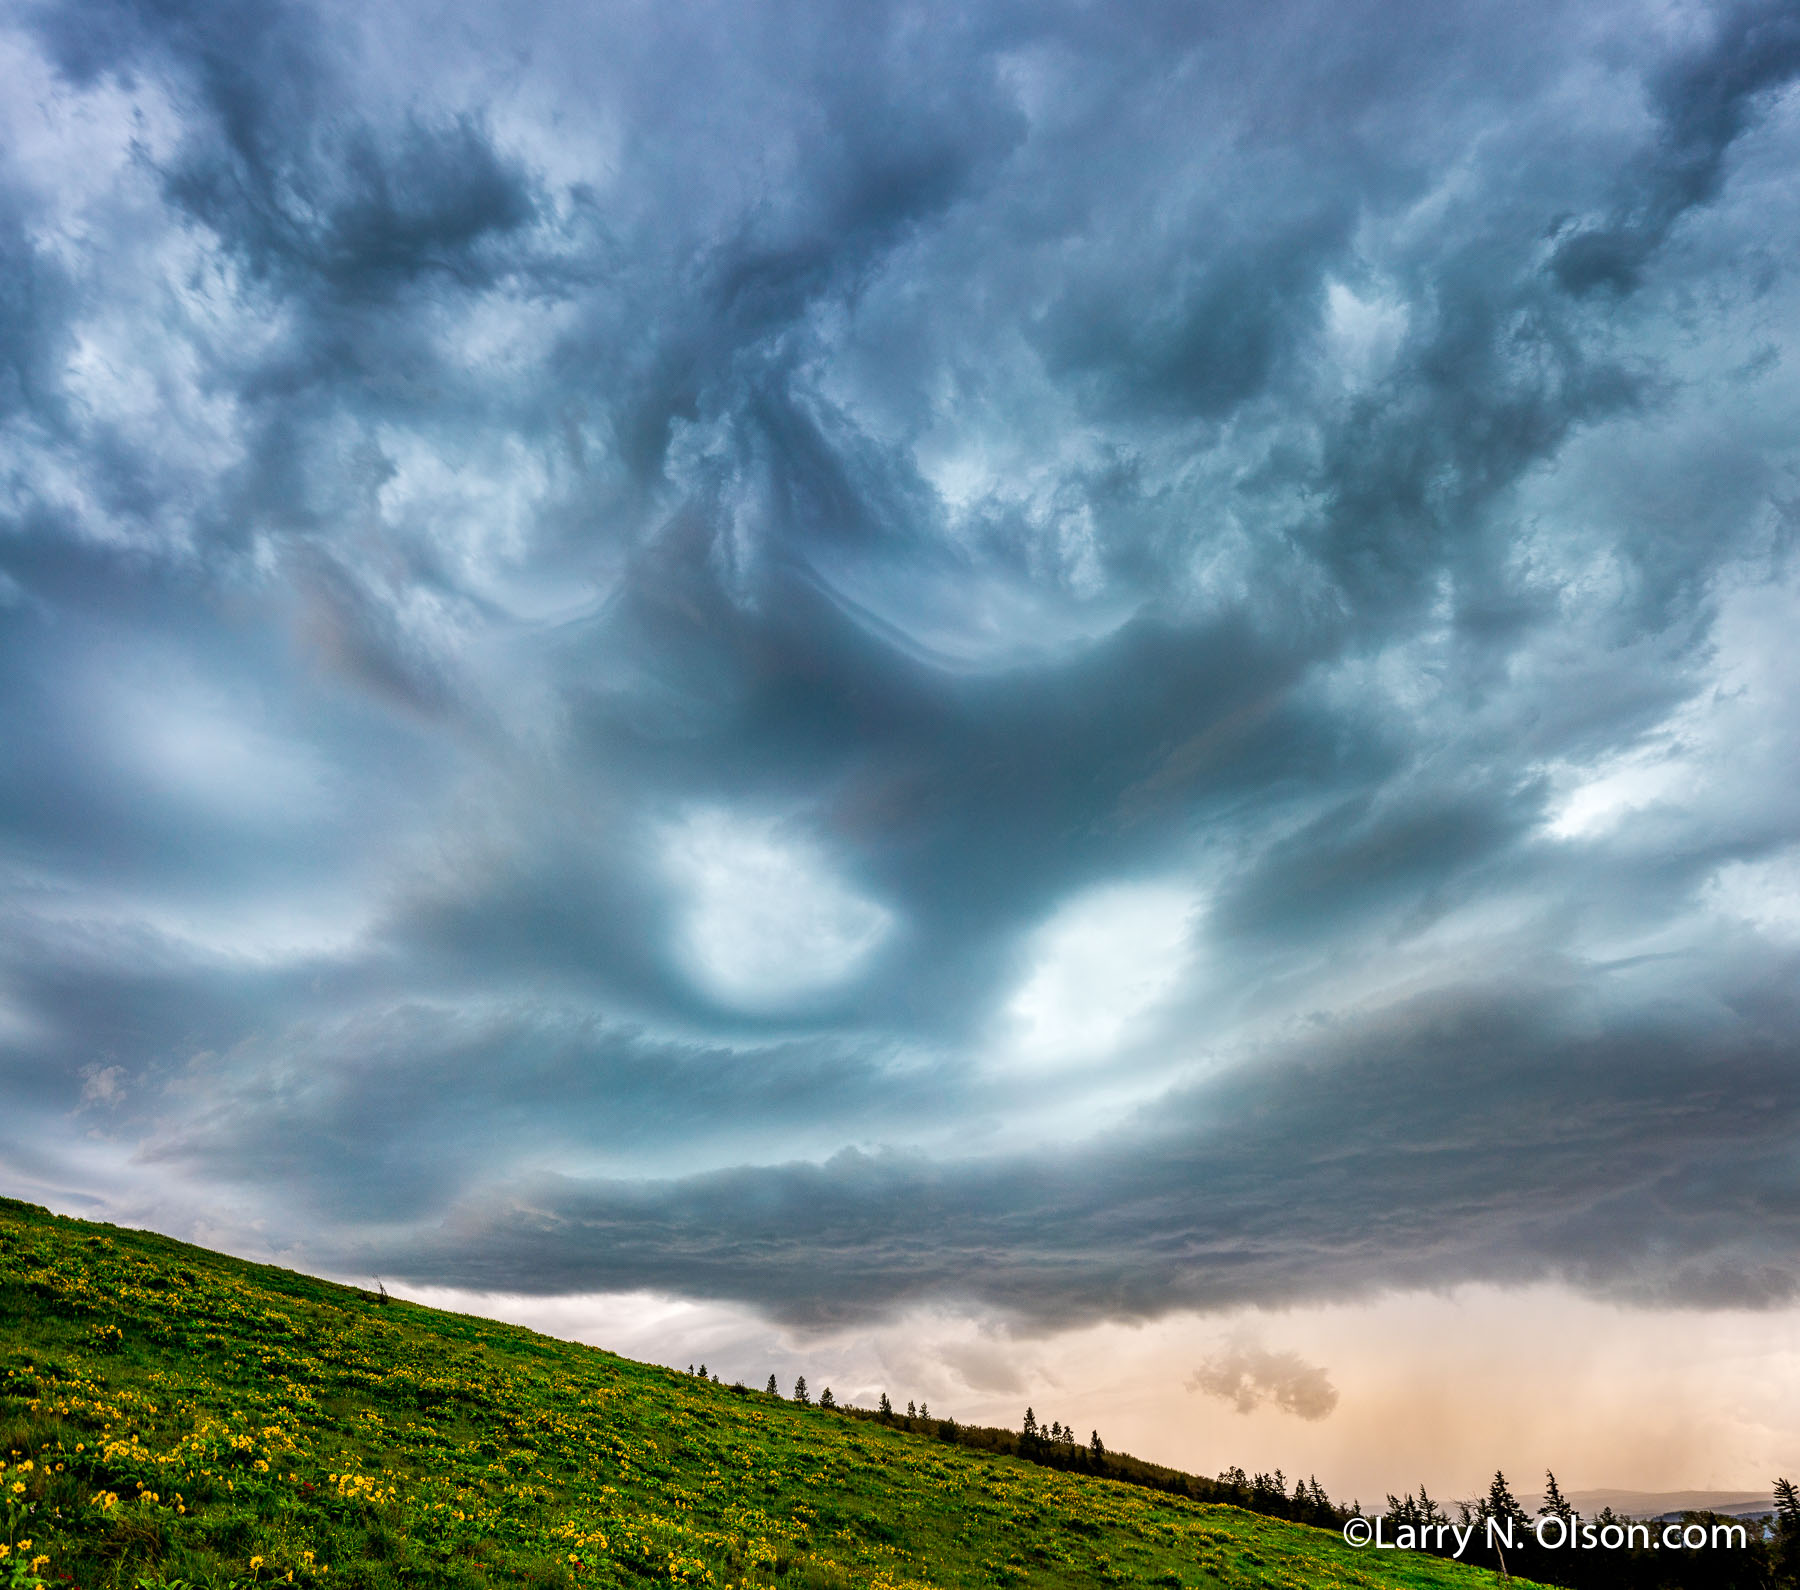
(1554, 1504)
(1500, 1503)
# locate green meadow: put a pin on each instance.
(171, 1417)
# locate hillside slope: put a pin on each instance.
(174, 1417)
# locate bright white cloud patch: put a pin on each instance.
(1764, 893)
(1098, 966)
(1363, 333)
(768, 922)
(1725, 758)
(1599, 804)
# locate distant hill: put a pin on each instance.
(1657, 1504)
(172, 1419)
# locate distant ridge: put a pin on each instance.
(1653, 1504)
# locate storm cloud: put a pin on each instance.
(850, 660)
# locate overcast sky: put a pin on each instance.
(1058, 668)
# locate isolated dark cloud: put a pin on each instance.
(1248, 1376)
(840, 660)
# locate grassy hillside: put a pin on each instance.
(173, 1417)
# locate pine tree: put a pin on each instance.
(1787, 1505)
(924, 1412)
(885, 1408)
(1030, 1427)
(1096, 1446)
(1502, 1507)
(1554, 1504)
(1500, 1503)
(690, 1369)
(911, 1411)
(703, 1374)
(800, 1389)
(826, 1400)
(1787, 1532)
(772, 1389)
(1429, 1511)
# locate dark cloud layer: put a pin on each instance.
(844, 660)
(1460, 1138)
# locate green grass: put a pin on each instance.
(172, 1417)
